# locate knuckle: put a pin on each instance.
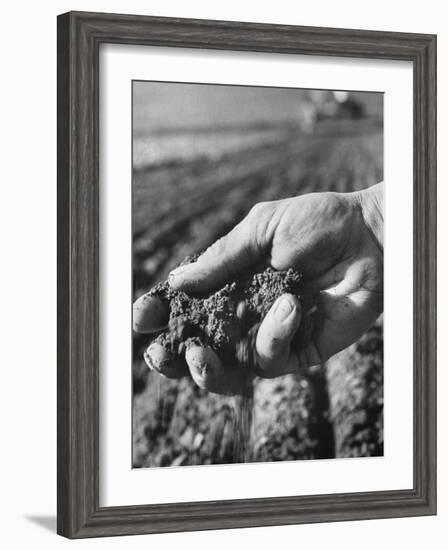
(257, 223)
(215, 250)
(259, 209)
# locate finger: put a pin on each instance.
(346, 277)
(225, 259)
(163, 361)
(330, 278)
(343, 319)
(273, 344)
(150, 314)
(210, 374)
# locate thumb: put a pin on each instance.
(274, 355)
(220, 263)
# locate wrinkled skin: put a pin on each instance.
(334, 239)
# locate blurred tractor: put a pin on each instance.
(328, 105)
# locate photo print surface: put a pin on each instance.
(257, 274)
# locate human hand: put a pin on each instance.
(334, 239)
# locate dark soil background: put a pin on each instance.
(203, 155)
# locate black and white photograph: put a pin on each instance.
(223, 257)
(257, 257)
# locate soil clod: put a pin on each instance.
(227, 321)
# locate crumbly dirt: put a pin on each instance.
(228, 319)
(355, 385)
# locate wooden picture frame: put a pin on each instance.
(79, 38)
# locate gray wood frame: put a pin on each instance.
(79, 38)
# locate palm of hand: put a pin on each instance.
(325, 237)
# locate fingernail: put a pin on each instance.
(148, 361)
(178, 272)
(283, 308)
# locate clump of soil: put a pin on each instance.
(228, 319)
